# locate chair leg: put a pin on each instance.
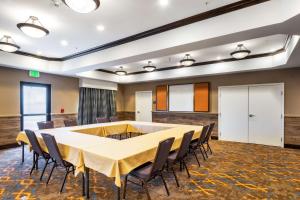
(204, 150)
(63, 184)
(204, 157)
(187, 170)
(125, 186)
(209, 148)
(54, 165)
(47, 160)
(35, 159)
(83, 185)
(196, 157)
(165, 184)
(177, 183)
(144, 184)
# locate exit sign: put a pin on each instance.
(34, 74)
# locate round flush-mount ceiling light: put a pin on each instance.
(121, 72)
(187, 60)
(33, 28)
(240, 52)
(8, 44)
(150, 67)
(83, 6)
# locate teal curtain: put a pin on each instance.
(95, 103)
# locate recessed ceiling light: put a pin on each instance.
(164, 2)
(83, 6)
(33, 28)
(8, 44)
(121, 72)
(100, 28)
(39, 53)
(64, 43)
(240, 52)
(219, 58)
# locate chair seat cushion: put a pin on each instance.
(143, 171)
(172, 157)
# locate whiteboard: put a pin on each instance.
(181, 98)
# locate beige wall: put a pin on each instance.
(65, 91)
(291, 78)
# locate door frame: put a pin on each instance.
(151, 101)
(48, 99)
(281, 84)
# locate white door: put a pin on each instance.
(266, 114)
(233, 113)
(143, 106)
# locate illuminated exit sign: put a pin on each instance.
(34, 74)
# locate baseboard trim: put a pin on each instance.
(9, 146)
(292, 146)
(214, 137)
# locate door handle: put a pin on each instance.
(251, 115)
(138, 112)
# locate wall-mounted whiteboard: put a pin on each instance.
(181, 98)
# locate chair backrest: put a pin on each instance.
(185, 143)
(203, 134)
(45, 125)
(113, 119)
(102, 120)
(53, 148)
(162, 154)
(211, 127)
(70, 122)
(35, 145)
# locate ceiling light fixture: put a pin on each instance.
(240, 52)
(33, 28)
(83, 6)
(121, 72)
(187, 60)
(8, 44)
(150, 67)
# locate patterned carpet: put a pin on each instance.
(234, 171)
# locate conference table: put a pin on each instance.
(91, 147)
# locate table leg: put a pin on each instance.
(22, 143)
(118, 193)
(86, 180)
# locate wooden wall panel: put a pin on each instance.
(201, 97)
(58, 119)
(126, 116)
(162, 98)
(292, 130)
(9, 129)
(187, 118)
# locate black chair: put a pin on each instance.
(180, 155)
(45, 125)
(37, 152)
(198, 144)
(113, 119)
(57, 158)
(151, 170)
(102, 120)
(208, 137)
(70, 122)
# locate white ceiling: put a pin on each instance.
(257, 46)
(121, 18)
(259, 30)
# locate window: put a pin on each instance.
(35, 104)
